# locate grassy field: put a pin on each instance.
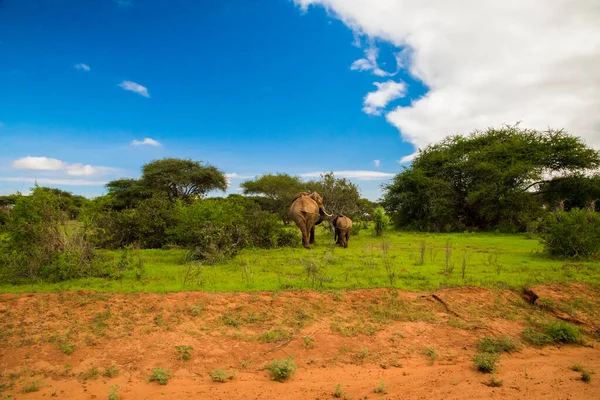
(407, 261)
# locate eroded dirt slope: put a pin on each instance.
(420, 345)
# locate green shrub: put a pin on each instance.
(486, 362)
(495, 382)
(586, 376)
(503, 343)
(160, 375)
(41, 242)
(220, 375)
(282, 369)
(110, 372)
(381, 221)
(571, 234)
(183, 352)
(555, 332)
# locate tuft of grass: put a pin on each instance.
(230, 319)
(32, 386)
(91, 373)
(246, 362)
(337, 393)
(274, 336)
(577, 368)
(160, 375)
(432, 354)
(552, 333)
(495, 382)
(67, 348)
(503, 344)
(309, 343)
(486, 362)
(586, 376)
(110, 372)
(221, 375)
(282, 369)
(114, 393)
(380, 388)
(183, 352)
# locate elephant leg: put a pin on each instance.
(304, 232)
(347, 236)
(312, 235)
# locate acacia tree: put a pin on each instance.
(182, 179)
(339, 194)
(279, 190)
(127, 193)
(483, 180)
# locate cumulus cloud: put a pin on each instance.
(234, 175)
(487, 63)
(135, 88)
(408, 158)
(146, 142)
(377, 163)
(388, 91)
(359, 175)
(369, 63)
(83, 67)
(52, 181)
(53, 164)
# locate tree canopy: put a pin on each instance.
(127, 193)
(278, 189)
(182, 179)
(483, 180)
(339, 194)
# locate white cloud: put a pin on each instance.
(53, 164)
(83, 67)
(52, 181)
(377, 163)
(359, 175)
(234, 175)
(408, 158)
(388, 91)
(487, 63)
(146, 142)
(135, 87)
(369, 63)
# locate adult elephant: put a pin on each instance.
(307, 210)
(343, 227)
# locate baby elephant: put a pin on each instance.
(343, 228)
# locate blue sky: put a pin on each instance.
(264, 86)
(251, 86)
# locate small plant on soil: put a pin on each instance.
(220, 375)
(495, 382)
(33, 386)
(503, 343)
(432, 354)
(183, 352)
(338, 393)
(577, 368)
(308, 342)
(160, 375)
(380, 388)
(91, 373)
(114, 393)
(486, 362)
(282, 369)
(245, 362)
(586, 376)
(110, 372)
(555, 332)
(67, 348)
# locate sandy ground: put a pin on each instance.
(356, 339)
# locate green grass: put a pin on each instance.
(221, 375)
(502, 344)
(160, 375)
(551, 333)
(282, 369)
(495, 260)
(486, 362)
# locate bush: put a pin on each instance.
(571, 234)
(555, 332)
(282, 369)
(503, 343)
(486, 362)
(220, 375)
(160, 375)
(41, 242)
(381, 221)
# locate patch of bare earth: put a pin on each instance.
(420, 345)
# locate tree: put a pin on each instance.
(127, 193)
(576, 191)
(484, 180)
(182, 179)
(278, 190)
(339, 194)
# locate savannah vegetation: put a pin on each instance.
(508, 207)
